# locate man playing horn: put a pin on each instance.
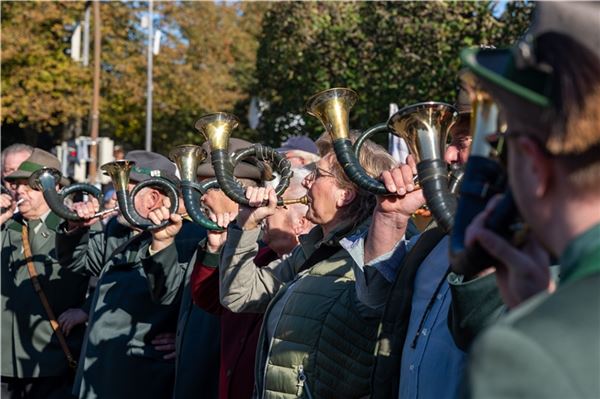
(36, 353)
(129, 316)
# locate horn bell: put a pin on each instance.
(424, 127)
(119, 173)
(332, 108)
(187, 157)
(217, 128)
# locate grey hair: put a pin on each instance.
(15, 148)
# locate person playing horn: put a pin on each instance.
(37, 352)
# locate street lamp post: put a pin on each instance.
(149, 89)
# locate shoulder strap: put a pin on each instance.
(396, 316)
(38, 288)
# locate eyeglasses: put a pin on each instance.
(317, 173)
(15, 184)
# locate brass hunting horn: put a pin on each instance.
(46, 179)
(217, 128)
(429, 121)
(485, 176)
(332, 108)
(424, 127)
(187, 157)
(119, 173)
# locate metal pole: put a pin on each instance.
(86, 35)
(149, 95)
(96, 98)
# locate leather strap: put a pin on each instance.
(38, 289)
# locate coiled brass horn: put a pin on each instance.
(46, 179)
(332, 108)
(119, 173)
(217, 128)
(424, 127)
(485, 177)
(430, 121)
(187, 157)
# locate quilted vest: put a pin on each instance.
(323, 347)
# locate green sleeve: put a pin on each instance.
(475, 305)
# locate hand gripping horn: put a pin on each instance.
(424, 127)
(187, 157)
(46, 179)
(119, 174)
(217, 128)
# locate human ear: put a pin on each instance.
(154, 200)
(540, 166)
(345, 197)
(299, 225)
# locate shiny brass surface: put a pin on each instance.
(187, 157)
(104, 212)
(119, 173)
(485, 121)
(217, 128)
(424, 127)
(301, 200)
(332, 108)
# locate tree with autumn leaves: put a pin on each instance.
(205, 64)
(217, 56)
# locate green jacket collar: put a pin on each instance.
(582, 256)
(52, 221)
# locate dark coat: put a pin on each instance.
(29, 346)
(137, 297)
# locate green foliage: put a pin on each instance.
(401, 52)
(42, 88)
(219, 55)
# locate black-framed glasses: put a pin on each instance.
(317, 173)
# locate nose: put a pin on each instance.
(451, 155)
(21, 189)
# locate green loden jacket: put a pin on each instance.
(549, 347)
(29, 346)
(137, 297)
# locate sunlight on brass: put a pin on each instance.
(332, 107)
(217, 128)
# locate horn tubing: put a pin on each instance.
(355, 172)
(455, 177)
(187, 157)
(266, 154)
(381, 127)
(192, 192)
(130, 213)
(85, 188)
(46, 181)
(223, 168)
(433, 178)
